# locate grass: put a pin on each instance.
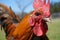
(53, 32)
(2, 35)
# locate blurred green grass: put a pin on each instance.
(2, 35)
(53, 32)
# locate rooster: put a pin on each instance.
(36, 21)
(24, 31)
(32, 27)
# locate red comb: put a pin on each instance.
(41, 4)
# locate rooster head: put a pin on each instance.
(42, 7)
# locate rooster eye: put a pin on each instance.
(37, 14)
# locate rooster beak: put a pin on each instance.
(47, 19)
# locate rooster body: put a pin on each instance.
(23, 30)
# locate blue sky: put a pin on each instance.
(14, 5)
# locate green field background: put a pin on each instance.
(53, 32)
